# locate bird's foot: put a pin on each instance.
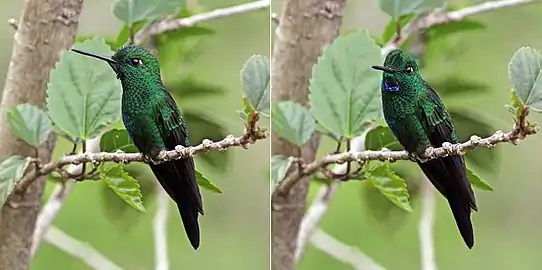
(414, 157)
(153, 159)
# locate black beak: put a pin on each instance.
(383, 68)
(110, 61)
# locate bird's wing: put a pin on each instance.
(174, 132)
(439, 128)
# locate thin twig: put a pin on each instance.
(58, 196)
(321, 202)
(314, 215)
(440, 16)
(163, 26)
(78, 249)
(342, 252)
(425, 227)
(161, 260)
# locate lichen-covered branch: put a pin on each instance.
(249, 137)
(440, 16)
(519, 132)
(159, 27)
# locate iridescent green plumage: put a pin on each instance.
(154, 123)
(419, 119)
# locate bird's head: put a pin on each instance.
(400, 72)
(130, 61)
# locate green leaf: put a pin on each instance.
(246, 113)
(29, 123)
(117, 139)
(131, 11)
(202, 127)
(188, 87)
(396, 8)
(293, 122)
(124, 34)
(391, 27)
(255, 77)
(468, 123)
(516, 105)
(279, 168)
(344, 90)
(390, 185)
(206, 183)
(334, 136)
(124, 185)
(477, 182)
(525, 70)
(381, 137)
(11, 170)
(111, 42)
(83, 94)
(65, 135)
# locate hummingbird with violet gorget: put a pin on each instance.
(419, 120)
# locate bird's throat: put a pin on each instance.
(390, 87)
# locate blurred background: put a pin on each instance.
(470, 71)
(235, 228)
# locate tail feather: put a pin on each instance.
(449, 177)
(462, 214)
(178, 180)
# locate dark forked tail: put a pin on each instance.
(449, 177)
(178, 179)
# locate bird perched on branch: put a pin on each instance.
(419, 119)
(154, 124)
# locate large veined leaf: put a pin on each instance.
(124, 185)
(11, 170)
(381, 137)
(255, 78)
(293, 122)
(29, 123)
(344, 89)
(83, 94)
(525, 71)
(131, 11)
(390, 185)
(117, 139)
(202, 127)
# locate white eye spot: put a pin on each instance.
(409, 70)
(136, 62)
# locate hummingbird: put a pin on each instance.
(418, 118)
(154, 123)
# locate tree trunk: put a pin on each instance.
(45, 28)
(305, 27)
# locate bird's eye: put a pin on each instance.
(136, 62)
(409, 70)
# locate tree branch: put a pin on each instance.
(425, 227)
(167, 25)
(58, 196)
(342, 252)
(519, 132)
(248, 137)
(78, 249)
(161, 260)
(440, 16)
